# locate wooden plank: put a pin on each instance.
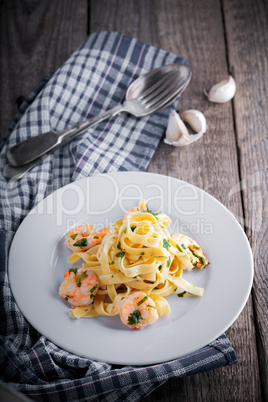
(195, 30)
(247, 41)
(35, 39)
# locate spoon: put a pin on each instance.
(146, 95)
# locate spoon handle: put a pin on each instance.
(27, 151)
(17, 172)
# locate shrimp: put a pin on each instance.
(79, 287)
(138, 310)
(82, 238)
(193, 246)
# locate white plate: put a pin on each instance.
(38, 260)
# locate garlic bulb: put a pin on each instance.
(177, 133)
(223, 91)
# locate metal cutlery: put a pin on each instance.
(146, 95)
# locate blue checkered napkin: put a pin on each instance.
(93, 79)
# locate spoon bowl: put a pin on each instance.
(172, 77)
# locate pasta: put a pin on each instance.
(138, 254)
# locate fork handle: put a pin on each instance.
(31, 149)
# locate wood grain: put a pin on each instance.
(36, 37)
(212, 163)
(247, 39)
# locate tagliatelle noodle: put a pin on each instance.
(137, 253)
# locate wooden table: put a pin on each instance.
(218, 37)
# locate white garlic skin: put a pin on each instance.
(222, 92)
(195, 119)
(177, 133)
(175, 129)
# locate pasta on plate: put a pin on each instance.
(129, 268)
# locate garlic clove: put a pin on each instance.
(176, 129)
(195, 119)
(177, 133)
(223, 91)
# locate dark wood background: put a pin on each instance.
(218, 37)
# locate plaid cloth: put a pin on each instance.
(93, 79)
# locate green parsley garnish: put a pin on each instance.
(74, 270)
(160, 266)
(181, 294)
(168, 262)
(133, 318)
(151, 212)
(67, 297)
(203, 262)
(149, 305)
(166, 244)
(81, 243)
(142, 300)
(178, 247)
(96, 237)
(133, 227)
(196, 247)
(92, 290)
(112, 262)
(142, 253)
(74, 236)
(81, 276)
(120, 254)
(183, 246)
